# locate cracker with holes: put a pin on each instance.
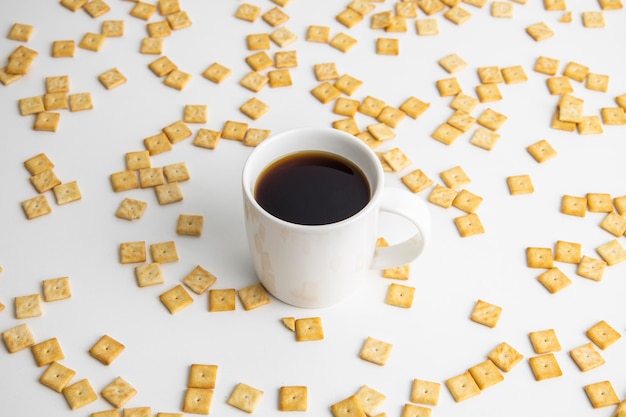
(149, 274)
(169, 193)
(106, 349)
(486, 374)
(131, 209)
(36, 207)
(253, 296)
(79, 394)
(245, 397)
(545, 367)
(199, 280)
(28, 306)
(197, 400)
(400, 295)
(176, 299)
(544, 341)
(56, 289)
(554, 280)
(375, 351)
(118, 392)
(293, 398)
(603, 334)
(442, 196)
(586, 357)
(505, 356)
(56, 376)
(132, 252)
(47, 352)
(601, 394)
(309, 329)
(462, 387)
(486, 313)
(222, 300)
(416, 181)
(612, 252)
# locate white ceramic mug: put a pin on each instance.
(318, 266)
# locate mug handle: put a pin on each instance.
(404, 204)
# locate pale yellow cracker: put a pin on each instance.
(151, 46)
(254, 108)
(469, 225)
(486, 374)
(381, 20)
(545, 366)
(202, 376)
(554, 280)
(569, 252)
(325, 92)
(457, 15)
(539, 31)
(396, 159)
(620, 205)
(176, 299)
(462, 387)
(46, 121)
(593, 19)
(96, 8)
(427, 27)
(283, 37)
(611, 5)
(467, 201)
(18, 338)
(349, 17)
(80, 101)
(7, 78)
(448, 87)
(614, 224)
(343, 42)
(106, 349)
(547, 65)
(461, 120)
(245, 397)
(442, 196)
(55, 101)
(414, 107)
(505, 357)
(381, 132)
(490, 74)
(590, 125)
(216, 72)
(309, 329)
(367, 138)
(275, 16)
(258, 41)
(362, 7)
(199, 280)
(177, 79)
(348, 125)
(45, 181)
(131, 209)
(599, 202)
(289, 322)
(520, 184)
(234, 130)
(254, 81)
(197, 400)
(112, 78)
(56, 289)
(345, 106)
(574, 205)
(576, 71)
(162, 66)
(143, 10)
(455, 177)
(178, 20)
(137, 412)
(425, 392)
(387, 46)
(612, 252)
(541, 151)
(38, 163)
(486, 313)
(36, 207)
(177, 131)
(502, 9)
(591, 268)
(375, 351)
(56, 376)
(370, 399)
(259, 61)
(402, 272)
(452, 63)
(113, 28)
(189, 225)
(286, 59)
(79, 394)
(586, 357)
(47, 352)
(603, 334)
(222, 300)
(559, 85)
(446, 133)
(28, 306)
(248, 12)
(58, 84)
(164, 252)
(514, 74)
(544, 341)
(488, 93)
(293, 398)
(316, 33)
(124, 180)
(118, 392)
(464, 103)
(151, 177)
(348, 407)
(539, 257)
(63, 49)
(491, 119)
(400, 295)
(613, 115)
(431, 7)
(253, 296)
(132, 252)
(92, 41)
(254, 136)
(20, 32)
(149, 274)
(31, 105)
(416, 180)
(601, 394)
(73, 5)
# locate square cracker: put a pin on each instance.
(132, 252)
(164, 252)
(375, 351)
(488, 93)
(293, 398)
(207, 138)
(309, 329)
(199, 280)
(169, 193)
(469, 225)
(253, 296)
(216, 72)
(442, 196)
(371, 106)
(92, 41)
(343, 42)
(448, 87)
(112, 78)
(18, 338)
(106, 349)
(574, 205)
(539, 31)
(505, 357)
(425, 392)
(47, 121)
(80, 102)
(539, 257)
(45, 181)
(520, 184)
(554, 280)
(176, 298)
(20, 32)
(486, 374)
(197, 400)
(599, 202)
(416, 181)
(452, 63)
(157, 144)
(462, 387)
(569, 252)
(79, 394)
(177, 79)
(544, 341)
(414, 107)
(612, 252)
(514, 74)
(446, 133)
(603, 334)
(254, 136)
(400, 295)
(283, 37)
(486, 313)
(370, 399)
(28, 306)
(176, 172)
(396, 159)
(491, 119)
(347, 84)
(601, 394)
(391, 116)
(55, 101)
(131, 209)
(467, 201)
(189, 224)
(316, 33)
(118, 392)
(614, 224)
(245, 397)
(234, 130)
(149, 274)
(586, 357)
(591, 268)
(545, 367)
(455, 177)
(348, 407)
(47, 352)
(36, 207)
(38, 163)
(56, 289)
(152, 46)
(177, 131)
(202, 376)
(67, 193)
(541, 151)
(247, 12)
(56, 376)
(137, 160)
(325, 92)
(222, 300)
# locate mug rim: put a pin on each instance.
(248, 183)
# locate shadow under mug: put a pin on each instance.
(321, 265)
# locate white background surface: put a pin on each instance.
(434, 340)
